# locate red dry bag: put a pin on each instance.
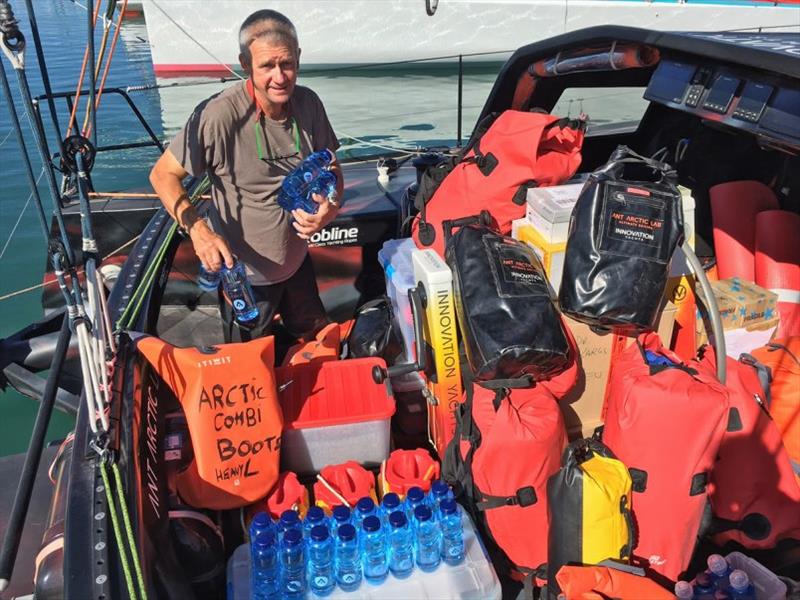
(509, 440)
(517, 151)
(754, 494)
(665, 422)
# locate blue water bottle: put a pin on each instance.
(684, 590)
(741, 588)
(365, 507)
(414, 497)
(289, 519)
(208, 281)
(293, 565)
(239, 293)
(320, 561)
(401, 548)
(325, 185)
(298, 181)
(341, 515)
(453, 551)
(439, 491)
(347, 562)
(389, 504)
(261, 522)
(427, 543)
(703, 586)
(375, 558)
(719, 570)
(314, 516)
(264, 571)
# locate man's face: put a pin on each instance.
(273, 71)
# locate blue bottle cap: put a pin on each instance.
(391, 501)
(423, 513)
(293, 537)
(315, 515)
(265, 538)
(341, 514)
(347, 532)
(448, 506)
(289, 518)
(319, 533)
(365, 505)
(398, 519)
(371, 523)
(415, 494)
(261, 519)
(439, 488)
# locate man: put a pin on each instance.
(247, 139)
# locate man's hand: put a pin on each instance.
(211, 248)
(307, 224)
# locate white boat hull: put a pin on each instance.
(200, 36)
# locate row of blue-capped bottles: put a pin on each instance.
(719, 582)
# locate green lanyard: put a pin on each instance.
(259, 130)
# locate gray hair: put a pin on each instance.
(268, 24)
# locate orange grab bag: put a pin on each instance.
(601, 582)
(231, 405)
(754, 494)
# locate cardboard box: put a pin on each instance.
(549, 210)
(551, 254)
(583, 406)
(741, 303)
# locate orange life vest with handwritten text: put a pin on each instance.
(231, 405)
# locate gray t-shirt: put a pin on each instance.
(246, 156)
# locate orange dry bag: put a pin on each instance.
(605, 581)
(231, 405)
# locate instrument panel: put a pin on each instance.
(761, 105)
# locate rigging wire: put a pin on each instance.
(19, 218)
(82, 76)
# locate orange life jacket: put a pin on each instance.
(231, 405)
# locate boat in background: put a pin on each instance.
(367, 32)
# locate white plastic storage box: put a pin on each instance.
(767, 584)
(395, 258)
(549, 210)
(474, 579)
(333, 411)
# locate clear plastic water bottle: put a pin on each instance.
(684, 590)
(293, 565)
(298, 181)
(375, 558)
(265, 571)
(452, 528)
(347, 562)
(719, 570)
(261, 522)
(414, 498)
(239, 293)
(389, 504)
(208, 281)
(320, 561)
(289, 519)
(427, 543)
(365, 507)
(439, 491)
(325, 185)
(741, 588)
(315, 516)
(401, 548)
(341, 516)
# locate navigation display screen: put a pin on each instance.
(670, 81)
(754, 97)
(783, 113)
(721, 93)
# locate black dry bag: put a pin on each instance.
(510, 324)
(622, 235)
(374, 333)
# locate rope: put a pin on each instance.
(8, 135)
(129, 530)
(81, 77)
(19, 218)
(187, 34)
(123, 556)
